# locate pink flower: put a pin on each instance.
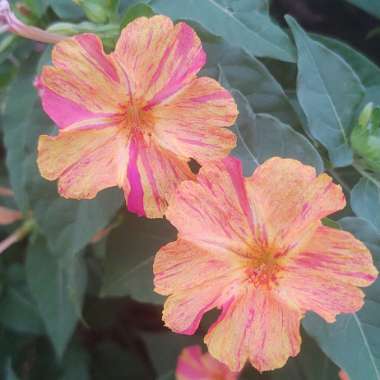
(193, 365)
(132, 118)
(9, 22)
(343, 375)
(256, 249)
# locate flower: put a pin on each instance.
(9, 22)
(193, 365)
(343, 375)
(10, 216)
(132, 118)
(256, 249)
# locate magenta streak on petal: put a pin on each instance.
(135, 202)
(191, 372)
(63, 111)
(94, 49)
(215, 96)
(235, 171)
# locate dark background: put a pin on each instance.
(334, 18)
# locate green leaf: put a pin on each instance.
(239, 23)
(370, 6)
(310, 364)
(368, 72)
(262, 136)
(247, 74)
(9, 372)
(58, 285)
(68, 224)
(353, 341)
(365, 201)
(130, 253)
(76, 364)
(19, 312)
(328, 91)
(165, 360)
(138, 10)
(67, 10)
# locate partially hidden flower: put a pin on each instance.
(10, 216)
(343, 375)
(9, 22)
(256, 249)
(194, 365)
(132, 118)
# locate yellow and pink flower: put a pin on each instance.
(132, 118)
(194, 365)
(256, 249)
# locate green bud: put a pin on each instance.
(98, 11)
(365, 137)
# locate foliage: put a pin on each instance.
(74, 307)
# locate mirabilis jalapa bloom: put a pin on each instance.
(256, 249)
(132, 118)
(194, 365)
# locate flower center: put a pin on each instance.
(264, 269)
(137, 117)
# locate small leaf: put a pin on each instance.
(370, 6)
(248, 75)
(75, 364)
(365, 200)
(263, 136)
(130, 253)
(328, 92)
(368, 72)
(239, 23)
(353, 341)
(50, 279)
(9, 372)
(138, 10)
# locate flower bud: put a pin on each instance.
(365, 137)
(9, 22)
(98, 11)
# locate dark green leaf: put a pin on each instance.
(328, 92)
(19, 312)
(57, 283)
(251, 78)
(310, 364)
(75, 364)
(368, 72)
(365, 200)
(239, 23)
(263, 136)
(114, 362)
(130, 253)
(138, 10)
(353, 341)
(370, 6)
(165, 360)
(9, 372)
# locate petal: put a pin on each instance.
(193, 365)
(182, 265)
(83, 83)
(292, 198)
(190, 123)
(152, 176)
(307, 291)
(158, 57)
(218, 208)
(84, 161)
(336, 255)
(8, 216)
(190, 366)
(257, 327)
